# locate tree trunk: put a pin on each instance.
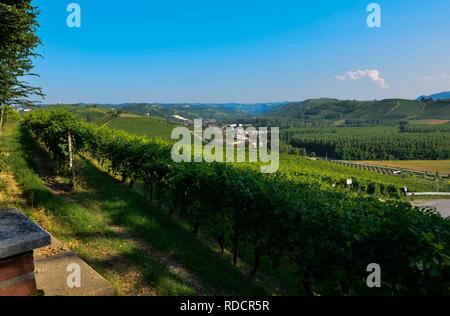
(71, 169)
(235, 249)
(2, 113)
(221, 242)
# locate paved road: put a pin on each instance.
(442, 206)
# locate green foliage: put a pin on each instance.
(330, 236)
(364, 181)
(373, 143)
(322, 112)
(7, 113)
(17, 43)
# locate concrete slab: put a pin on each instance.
(52, 273)
(18, 234)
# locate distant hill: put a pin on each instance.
(361, 112)
(436, 96)
(323, 111)
(221, 112)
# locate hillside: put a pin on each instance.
(221, 112)
(139, 125)
(361, 112)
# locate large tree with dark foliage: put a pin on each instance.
(18, 41)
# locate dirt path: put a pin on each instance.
(49, 177)
(103, 125)
(423, 108)
(172, 265)
(393, 109)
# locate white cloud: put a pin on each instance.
(371, 74)
(441, 79)
(428, 78)
(443, 76)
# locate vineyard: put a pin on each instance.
(366, 180)
(373, 143)
(386, 186)
(439, 168)
(325, 235)
(376, 167)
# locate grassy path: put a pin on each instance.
(140, 250)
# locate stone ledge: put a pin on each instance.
(51, 273)
(18, 234)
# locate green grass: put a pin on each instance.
(139, 125)
(143, 126)
(84, 218)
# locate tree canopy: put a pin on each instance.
(18, 41)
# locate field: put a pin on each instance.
(432, 122)
(139, 125)
(432, 166)
(143, 126)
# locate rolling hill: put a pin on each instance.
(221, 112)
(361, 112)
(139, 125)
(322, 111)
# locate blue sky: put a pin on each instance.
(242, 50)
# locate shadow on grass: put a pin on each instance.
(86, 216)
(130, 210)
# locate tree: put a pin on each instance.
(18, 41)
(7, 113)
